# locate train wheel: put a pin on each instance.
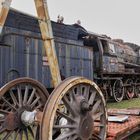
(118, 90)
(17, 96)
(129, 90)
(137, 88)
(75, 110)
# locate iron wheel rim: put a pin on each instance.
(15, 97)
(49, 123)
(118, 90)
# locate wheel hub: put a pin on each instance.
(86, 121)
(86, 127)
(13, 120)
(85, 107)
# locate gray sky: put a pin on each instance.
(116, 18)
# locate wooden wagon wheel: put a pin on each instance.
(118, 90)
(23, 94)
(75, 110)
(137, 88)
(129, 90)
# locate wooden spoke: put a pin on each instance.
(96, 106)
(19, 96)
(66, 116)
(31, 131)
(26, 134)
(87, 92)
(3, 112)
(97, 115)
(7, 136)
(68, 105)
(64, 126)
(35, 102)
(66, 135)
(26, 95)
(13, 98)
(2, 129)
(31, 96)
(20, 135)
(9, 104)
(92, 97)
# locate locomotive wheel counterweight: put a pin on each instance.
(75, 111)
(17, 96)
(137, 88)
(129, 90)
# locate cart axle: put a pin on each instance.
(30, 118)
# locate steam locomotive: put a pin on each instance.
(113, 64)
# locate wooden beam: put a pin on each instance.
(4, 9)
(47, 35)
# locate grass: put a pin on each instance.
(135, 136)
(133, 103)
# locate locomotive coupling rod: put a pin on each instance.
(128, 85)
(137, 84)
(133, 84)
(29, 118)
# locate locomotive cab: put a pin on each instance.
(105, 58)
(93, 41)
(110, 61)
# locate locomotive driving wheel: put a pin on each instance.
(129, 90)
(118, 90)
(75, 111)
(17, 96)
(137, 88)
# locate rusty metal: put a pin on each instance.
(17, 96)
(38, 117)
(67, 112)
(137, 87)
(31, 117)
(4, 9)
(129, 90)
